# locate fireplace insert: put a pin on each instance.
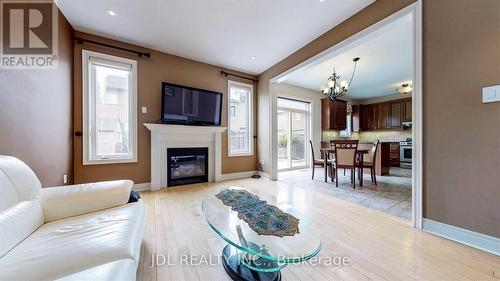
(187, 165)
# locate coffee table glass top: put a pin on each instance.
(287, 249)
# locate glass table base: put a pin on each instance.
(233, 261)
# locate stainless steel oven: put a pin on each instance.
(405, 154)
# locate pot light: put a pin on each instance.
(406, 88)
(110, 12)
(321, 0)
(254, 57)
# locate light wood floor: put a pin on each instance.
(382, 247)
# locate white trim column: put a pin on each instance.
(155, 160)
(218, 156)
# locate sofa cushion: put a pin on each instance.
(18, 222)
(9, 196)
(65, 247)
(17, 182)
(122, 270)
(68, 201)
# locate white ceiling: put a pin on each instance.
(385, 63)
(227, 33)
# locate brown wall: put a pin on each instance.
(461, 135)
(151, 72)
(36, 114)
(461, 40)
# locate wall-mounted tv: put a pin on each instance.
(190, 106)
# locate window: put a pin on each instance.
(109, 109)
(240, 136)
(293, 131)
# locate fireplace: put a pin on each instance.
(187, 165)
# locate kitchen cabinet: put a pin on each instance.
(333, 114)
(383, 115)
(385, 162)
(394, 154)
(362, 118)
(396, 111)
(407, 110)
(367, 117)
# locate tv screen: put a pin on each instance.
(190, 106)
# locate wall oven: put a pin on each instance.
(405, 151)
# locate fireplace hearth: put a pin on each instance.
(187, 165)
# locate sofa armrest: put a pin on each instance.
(73, 200)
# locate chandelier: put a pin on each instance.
(337, 88)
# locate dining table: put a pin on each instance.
(359, 152)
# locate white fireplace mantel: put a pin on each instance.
(165, 136)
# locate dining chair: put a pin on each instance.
(345, 158)
(370, 164)
(332, 145)
(319, 162)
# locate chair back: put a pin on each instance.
(312, 152)
(345, 152)
(373, 151)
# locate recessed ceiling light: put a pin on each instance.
(254, 57)
(110, 12)
(321, 0)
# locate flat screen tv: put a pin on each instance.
(190, 106)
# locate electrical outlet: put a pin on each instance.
(65, 179)
(144, 110)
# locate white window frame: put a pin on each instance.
(88, 137)
(250, 118)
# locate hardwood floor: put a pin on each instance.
(381, 247)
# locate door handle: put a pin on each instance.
(78, 134)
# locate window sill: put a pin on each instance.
(240, 154)
(108, 161)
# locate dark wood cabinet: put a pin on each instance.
(407, 110)
(394, 121)
(385, 162)
(383, 115)
(333, 114)
(368, 116)
(394, 154)
(340, 119)
(362, 118)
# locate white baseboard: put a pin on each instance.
(141, 186)
(476, 240)
(240, 175)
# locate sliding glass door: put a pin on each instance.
(293, 134)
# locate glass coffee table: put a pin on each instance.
(253, 256)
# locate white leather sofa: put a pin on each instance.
(75, 232)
